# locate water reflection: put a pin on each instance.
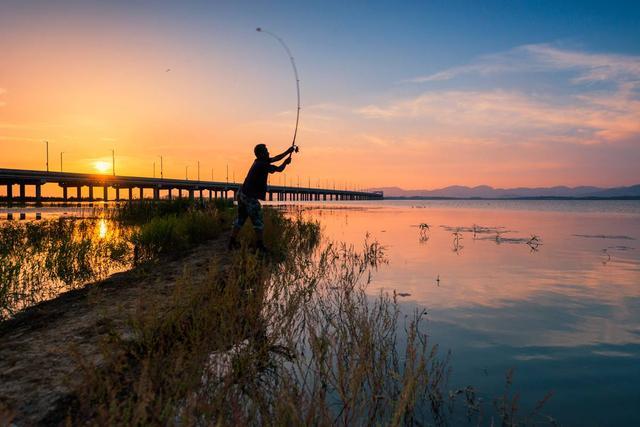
(41, 259)
(551, 292)
(102, 228)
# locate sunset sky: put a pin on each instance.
(418, 94)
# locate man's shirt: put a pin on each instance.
(255, 184)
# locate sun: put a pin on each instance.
(102, 167)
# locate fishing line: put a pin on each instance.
(295, 74)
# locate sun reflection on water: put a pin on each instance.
(103, 229)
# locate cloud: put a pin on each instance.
(2, 91)
(585, 115)
(590, 67)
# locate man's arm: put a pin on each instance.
(280, 168)
(281, 156)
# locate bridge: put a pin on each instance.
(161, 188)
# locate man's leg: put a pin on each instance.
(237, 225)
(255, 213)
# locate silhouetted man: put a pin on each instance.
(254, 189)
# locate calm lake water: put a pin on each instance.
(564, 314)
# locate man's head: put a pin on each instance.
(261, 151)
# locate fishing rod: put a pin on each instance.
(295, 74)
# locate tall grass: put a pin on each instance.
(175, 233)
(38, 260)
(142, 211)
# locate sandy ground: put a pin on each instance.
(40, 347)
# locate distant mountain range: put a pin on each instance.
(487, 192)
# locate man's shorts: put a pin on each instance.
(248, 207)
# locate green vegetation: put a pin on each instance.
(173, 233)
(143, 211)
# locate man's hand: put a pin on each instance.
(287, 161)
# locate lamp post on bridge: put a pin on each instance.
(61, 153)
(47, 145)
(113, 161)
(186, 173)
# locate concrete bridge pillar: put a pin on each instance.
(23, 194)
(105, 193)
(156, 194)
(39, 194)
(9, 192)
(90, 193)
(191, 196)
(79, 193)
(170, 194)
(65, 194)
(117, 194)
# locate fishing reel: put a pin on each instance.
(295, 148)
